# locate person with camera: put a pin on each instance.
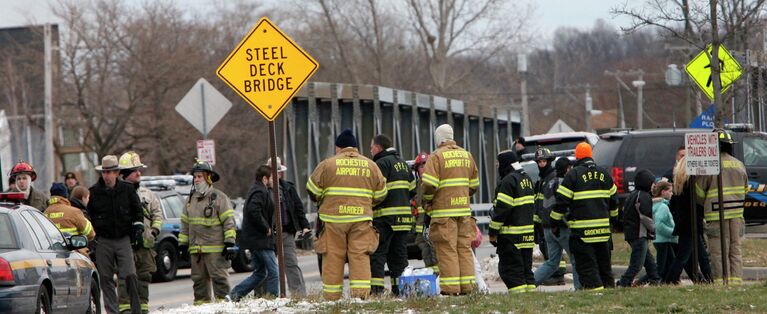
(258, 236)
(208, 232)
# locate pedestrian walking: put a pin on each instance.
(143, 247)
(450, 178)
(511, 227)
(639, 229)
(116, 215)
(24, 176)
(586, 202)
(258, 236)
(346, 187)
(665, 240)
(208, 231)
(392, 218)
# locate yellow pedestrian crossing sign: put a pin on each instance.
(699, 70)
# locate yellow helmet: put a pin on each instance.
(131, 160)
(725, 136)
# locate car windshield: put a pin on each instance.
(653, 153)
(7, 238)
(605, 151)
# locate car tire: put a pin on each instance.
(43, 301)
(242, 263)
(94, 299)
(167, 262)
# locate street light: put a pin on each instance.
(673, 75)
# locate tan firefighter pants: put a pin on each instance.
(452, 242)
(207, 269)
(145, 266)
(734, 231)
(339, 241)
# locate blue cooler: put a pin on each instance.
(418, 286)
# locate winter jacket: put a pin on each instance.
(346, 186)
(513, 210)
(735, 182)
(69, 219)
(293, 207)
(258, 219)
(36, 199)
(680, 210)
(587, 196)
(546, 196)
(78, 204)
(152, 213)
(400, 187)
(664, 222)
(114, 210)
(450, 178)
(632, 226)
(207, 222)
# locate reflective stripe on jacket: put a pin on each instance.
(205, 231)
(152, 214)
(400, 187)
(69, 219)
(735, 187)
(346, 186)
(449, 179)
(513, 210)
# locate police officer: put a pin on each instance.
(393, 217)
(511, 227)
(590, 195)
(346, 186)
(449, 179)
(116, 214)
(734, 188)
(67, 218)
(207, 232)
(143, 248)
(25, 175)
(427, 251)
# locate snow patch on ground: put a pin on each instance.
(249, 305)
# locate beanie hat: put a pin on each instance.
(583, 150)
(59, 189)
(443, 133)
(346, 139)
(505, 159)
(561, 166)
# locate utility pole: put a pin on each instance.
(522, 69)
(589, 107)
(618, 75)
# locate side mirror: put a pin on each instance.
(77, 242)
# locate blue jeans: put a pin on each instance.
(640, 256)
(555, 246)
(265, 267)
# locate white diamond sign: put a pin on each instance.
(203, 106)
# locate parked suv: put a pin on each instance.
(623, 153)
(558, 141)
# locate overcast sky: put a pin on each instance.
(549, 15)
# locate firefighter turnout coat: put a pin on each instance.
(207, 222)
(735, 187)
(400, 186)
(68, 218)
(152, 215)
(450, 177)
(514, 209)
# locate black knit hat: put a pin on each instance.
(346, 139)
(506, 158)
(59, 189)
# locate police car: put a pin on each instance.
(39, 270)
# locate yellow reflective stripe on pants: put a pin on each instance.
(596, 289)
(518, 289)
(530, 288)
(344, 218)
(394, 281)
(450, 281)
(332, 288)
(452, 212)
(206, 249)
(517, 229)
(126, 307)
(377, 282)
(359, 284)
(391, 211)
(468, 280)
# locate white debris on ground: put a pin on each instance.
(490, 268)
(249, 305)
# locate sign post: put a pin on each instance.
(702, 158)
(267, 69)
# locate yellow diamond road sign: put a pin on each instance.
(267, 68)
(699, 70)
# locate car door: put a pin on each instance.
(64, 271)
(753, 152)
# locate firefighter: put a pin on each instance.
(143, 248)
(734, 188)
(346, 187)
(511, 227)
(67, 218)
(449, 179)
(392, 218)
(427, 251)
(590, 195)
(208, 232)
(25, 175)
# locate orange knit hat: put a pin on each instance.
(583, 150)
